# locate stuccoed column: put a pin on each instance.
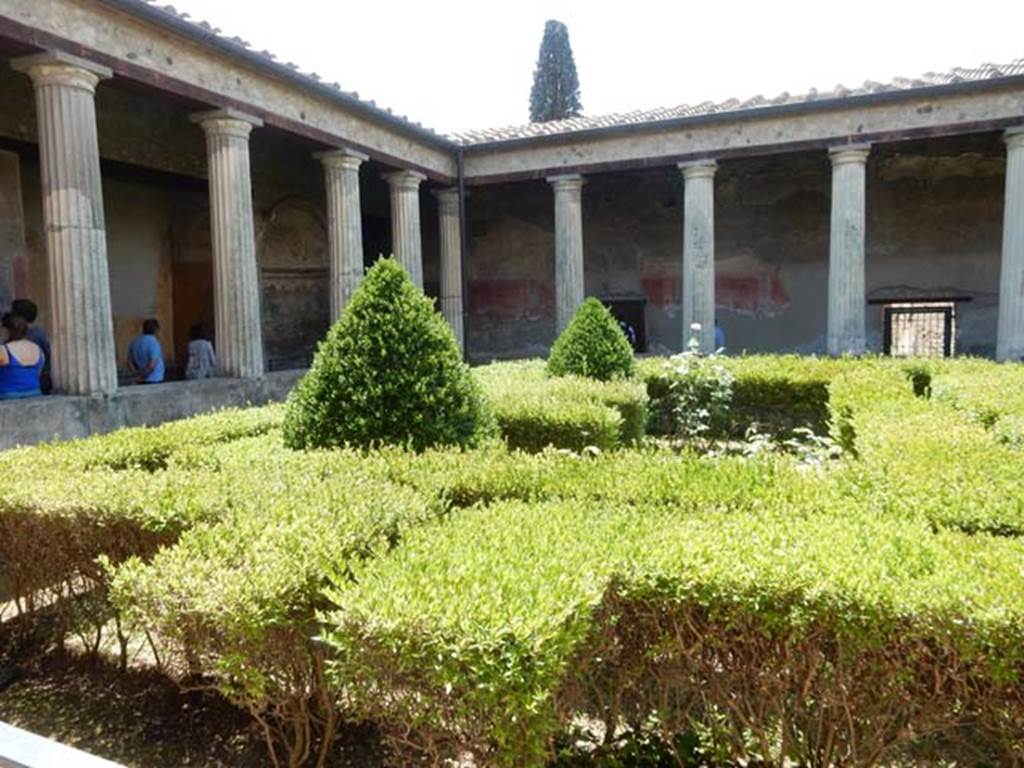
(1010, 331)
(406, 239)
(569, 286)
(450, 228)
(344, 225)
(236, 284)
(82, 327)
(846, 289)
(699, 253)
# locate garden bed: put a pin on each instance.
(862, 605)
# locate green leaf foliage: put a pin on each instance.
(389, 371)
(865, 610)
(534, 411)
(592, 345)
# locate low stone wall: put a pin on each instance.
(21, 749)
(26, 422)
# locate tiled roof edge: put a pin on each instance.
(981, 74)
(203, 31)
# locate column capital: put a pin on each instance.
(59, 68)
(345, 158)
(1014, 137)
(566, 181)
(448, 196)
(698, 169)
(226, 122)
(408, 180)
(849, 153)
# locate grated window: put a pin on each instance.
(920, 329)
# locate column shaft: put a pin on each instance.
(236, 283)
(82, 332)
(846, 282)
(1010, 331)
(344, 225)
(698, 288)
(406, 239)
(569, 284)
(450, 227)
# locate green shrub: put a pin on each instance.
(235, 603)
(777, 393)
(389, 371)
(533, 411)
(852, 635)
(592, 345)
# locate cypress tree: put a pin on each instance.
(556, 87)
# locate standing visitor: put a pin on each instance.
(145, 357)
(21, 361)
(202, 360)
(28, 310)
(719, 337)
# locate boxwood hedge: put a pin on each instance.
(862, 611)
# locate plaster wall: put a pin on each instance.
(12, 228)
(934, 217)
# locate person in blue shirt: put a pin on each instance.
(28, 310)
(719, 337)
(145, 357)
(21, 361)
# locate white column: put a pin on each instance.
(450, 227)
(344, 225)
(699, 252)
(846, 288)
(406, 240)
(82, 327)
(236, 284)
(1010, 332)
(569, 286)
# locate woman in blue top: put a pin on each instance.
(21, 361)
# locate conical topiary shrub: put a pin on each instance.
(592, 345)
(389, 371)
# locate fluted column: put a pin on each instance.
(344, 225)
(82, 327)
(236, 285)
(406, 240)
(450, 227)
(846, 289)
(1010, 332)
(699, 252)
(569, 286)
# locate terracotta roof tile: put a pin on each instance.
(928, 80)
(290, 69)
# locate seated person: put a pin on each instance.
(202, 360)
(28, 309)
(145, 357)
(21, 361)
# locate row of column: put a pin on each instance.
(84, 358)
(846, 331)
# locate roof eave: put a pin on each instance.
(162, 18)
(796, 107)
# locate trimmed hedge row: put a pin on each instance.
(778, 394)
(65, 505)
(534, 411)
(483, 599)
(494, 630)
(234, 603)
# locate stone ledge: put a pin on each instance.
(26, 422)
(21, 749)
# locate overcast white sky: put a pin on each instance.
(457, 64)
